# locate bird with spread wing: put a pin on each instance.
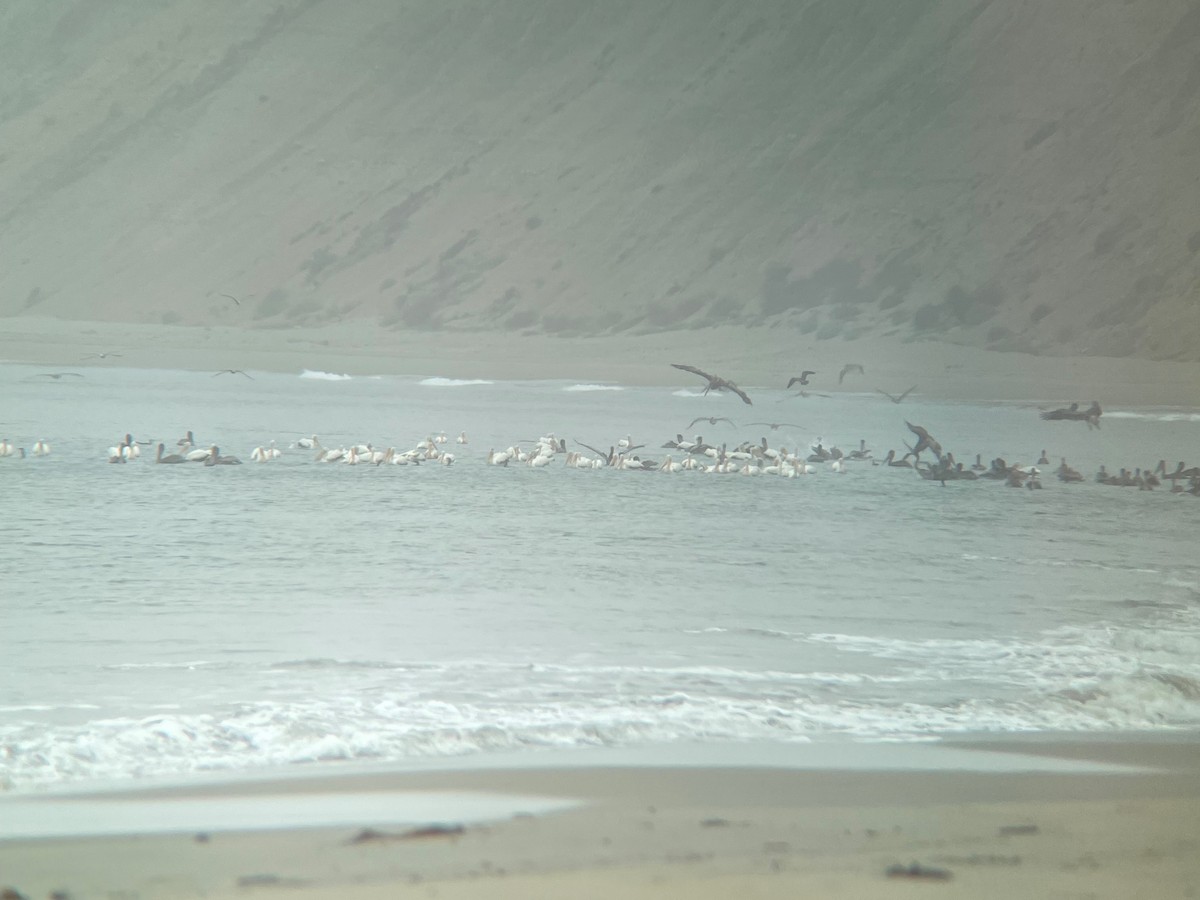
(715, 383)
(802, 378)
(848, 368)
(894, 398)
(711, 420)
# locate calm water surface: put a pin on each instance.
(164, 620)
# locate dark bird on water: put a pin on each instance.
(232, 372)
(1073, 413)
(848, 368)
(715, 383)
(775, 426)
(925, 441)
(712, 420)
(899, 399)
(802, 378)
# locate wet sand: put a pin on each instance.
(753, 358)
(1051, 818)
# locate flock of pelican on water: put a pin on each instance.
(747, 458)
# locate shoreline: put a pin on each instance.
(1021, 817)
(755, 358)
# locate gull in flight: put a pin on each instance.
(715, 383)
(802, 378)
(232, 372)
(775, 426)
(848, 368)
(899, 399)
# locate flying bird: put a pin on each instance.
(848, 368)
(775, 426)
(233, 298)
(715, 383)
(802, 378)
(100, 355)
(899, 399)
(232, 372)
(712, 420)
(1091, 415)
(57, 375)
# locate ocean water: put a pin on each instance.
(160, 621)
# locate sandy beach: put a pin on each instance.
(1024, 818)
(753, 358)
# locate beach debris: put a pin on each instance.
(201, 837)
(1013, 830)
(369, 835)
(919, 872)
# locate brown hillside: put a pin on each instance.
(1019, 175)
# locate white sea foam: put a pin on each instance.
(1162, 416)
(585, 388)
(438, 381)
(324, 376)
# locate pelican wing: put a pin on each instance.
(737, 390)
(694, 371)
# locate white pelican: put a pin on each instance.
(7, 448)
(306, 443)
(462, 437)
(41, 448)
(497, 459)
(258, 454)
(838, 466)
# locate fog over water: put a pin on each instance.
(164, 620)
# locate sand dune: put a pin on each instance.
(1017, 176)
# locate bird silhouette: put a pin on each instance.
(232, 372)
(715, 383)
(848, 368)
(712, 420)
(899, 399)
(775, 426)
(100, 355)
(802, 378)
(57, 375)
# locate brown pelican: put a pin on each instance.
(216, 459)
(1073, 413)
(925, 442)
(848, 368)
(169, 458)
(775, 426)
(715, 383)
(712, 420)
(802, 378)
(899, 399)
